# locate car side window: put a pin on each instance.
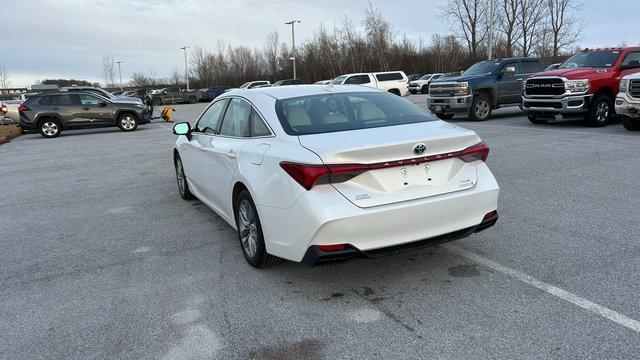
(236, 119)
(531, 67)
(89, 99)
(258, 126)
(62, 100)
(358, 80)
(632, 59)
(210, 119)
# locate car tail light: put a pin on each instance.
(333, 247)
(310, 175)
(475, 152)
(22, 108)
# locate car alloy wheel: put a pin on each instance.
(183, 186)
(50, 128)
(482, 109)
(602, 112)
(128, 123)
(248, 228)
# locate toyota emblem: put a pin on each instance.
(419, 148)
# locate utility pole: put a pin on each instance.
(186, 65)
(293, 43)
(492, 16)
(120, 72)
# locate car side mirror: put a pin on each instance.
(509, 71)
(183, 128)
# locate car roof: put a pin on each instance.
(285, 92)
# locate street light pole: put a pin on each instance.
(186, 65)
(293, 44)
(120, 72)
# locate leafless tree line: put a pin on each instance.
(545, 28)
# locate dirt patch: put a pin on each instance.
(8, 132)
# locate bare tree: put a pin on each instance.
(467, 19)
(176, 77)
(509, 24)
(271, 53)
(564, 26)
(5, 82)
(108, 69)
(532, 23)
(379, 35)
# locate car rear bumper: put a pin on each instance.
(568, 105)
(323, 216)
(316, 255)
(627, 105)
(449, 104)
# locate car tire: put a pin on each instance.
(127, 122)
(631, 124)
(445, 116)
(480, 108)
(600, 112)
(50, 128)
(183, 185)
(413, 92)
(534, 120)
(424, 89)
(250, 233)
(157, 102)
(395, 92)
(192, 100)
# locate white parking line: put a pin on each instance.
(553, 130)
(553, 290)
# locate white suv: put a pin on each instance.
(313, 173)
(422, 84)
(395, 82)
(628, 102)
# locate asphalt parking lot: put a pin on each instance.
(100, 258)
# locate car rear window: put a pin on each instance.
(389, 76)
(326, 113)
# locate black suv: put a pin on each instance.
(485, 86)
(51, 113)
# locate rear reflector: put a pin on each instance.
(309, 175)
(22, 108)
(333, 247)
(490, 214)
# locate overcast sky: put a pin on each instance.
(67, 38)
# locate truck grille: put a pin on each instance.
(634, 88)
(544, 87)
(443, 89)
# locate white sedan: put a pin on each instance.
(316, 173)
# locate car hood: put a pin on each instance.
(577, 73)
(128, 100)
(460, 78)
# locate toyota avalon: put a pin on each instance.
(317, 173)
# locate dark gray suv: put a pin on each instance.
(51, 113)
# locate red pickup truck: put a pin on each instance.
(585, 86)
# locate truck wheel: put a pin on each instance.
(535, 120)
(631, 124)
(600, 112)
(192, 100)
(480, 108)
(424, 89)
(445, 116)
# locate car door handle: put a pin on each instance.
(231, 155)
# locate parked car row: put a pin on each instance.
(586, 86)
